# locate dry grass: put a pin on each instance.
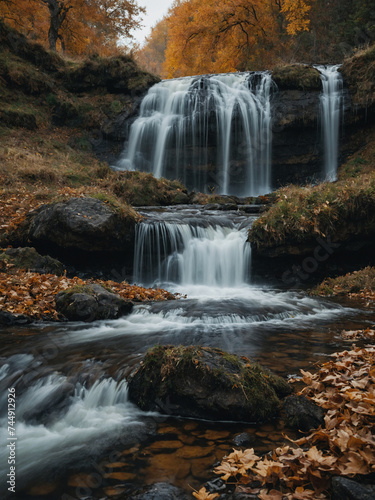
(358, 283)
(340, 210)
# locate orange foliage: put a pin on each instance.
(86, 27)
(214, 37)
(33, 294)
(152, 55)
(345, 388)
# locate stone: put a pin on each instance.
(347, 489)
(202, 382)
(90, 303)
(244, 439)
(302, 414)
(84, 224)
(29, 259)
(161, 491)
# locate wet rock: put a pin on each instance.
(161, 491)
(90, 303)
(85, 224)
(9, 319)
(347, 489)
(29, 259)
(302, 414)
(208, 383)
(243, 439)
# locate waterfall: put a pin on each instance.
(331, 102)
(186, 254)
(212, 132)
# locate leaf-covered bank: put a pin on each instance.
(341, 211)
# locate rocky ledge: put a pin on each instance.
(79, 224)
(202, 382)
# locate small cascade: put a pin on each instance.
(331, 102)
(196, 253)
(210, 132)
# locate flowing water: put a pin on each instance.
(210, 132)
(77, 433)
(331, 102)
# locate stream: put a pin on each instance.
(78, 436)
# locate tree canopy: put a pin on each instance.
(75, 26)
(232, 35)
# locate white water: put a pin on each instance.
(209, 132)
(191, 255)
(331, 111)
(95, 416)
(202, 254)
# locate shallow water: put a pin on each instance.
(78, 434)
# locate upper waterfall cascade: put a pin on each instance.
(210, 132)
(331, 102)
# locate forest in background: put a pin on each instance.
(196, 37)
(245, 35)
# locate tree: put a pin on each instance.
(58, 11)
(152, 55)
(79, 26)
(232, 35)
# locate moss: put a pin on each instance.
(351, 283)
(178, 373)
(359, 74)
(302, 214)
(297, 77)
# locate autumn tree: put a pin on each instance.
(77, 25)
(151, 56)
(209, 36)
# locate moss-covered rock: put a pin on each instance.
(297, 77)
(90, 303)
(29, 259)
(359, 75)
(203, 382)
(116, 74)
(83, 224)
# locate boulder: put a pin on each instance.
(302, 414)
(90, 303)
(85, 224)
(29, 259)
(202, 382)
(347, 489)
(161, 491)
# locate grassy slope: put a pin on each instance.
(49, 108)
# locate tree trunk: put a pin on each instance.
(58, 11)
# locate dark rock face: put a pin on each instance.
(201, 382)
(297, 150)
(302, 414)
(347, 489)
(90, 303)
(29, 259)
(85, 224)
(9, 319)
(161, 491)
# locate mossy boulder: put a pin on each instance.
(29, 259)
(118, 74)
(297, 77)
(84, 224)
(203, 382)
(90, 303)
(359, 76)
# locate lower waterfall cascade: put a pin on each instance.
(192, 250)
(77, 432)
(211, 132)
(331, 102)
